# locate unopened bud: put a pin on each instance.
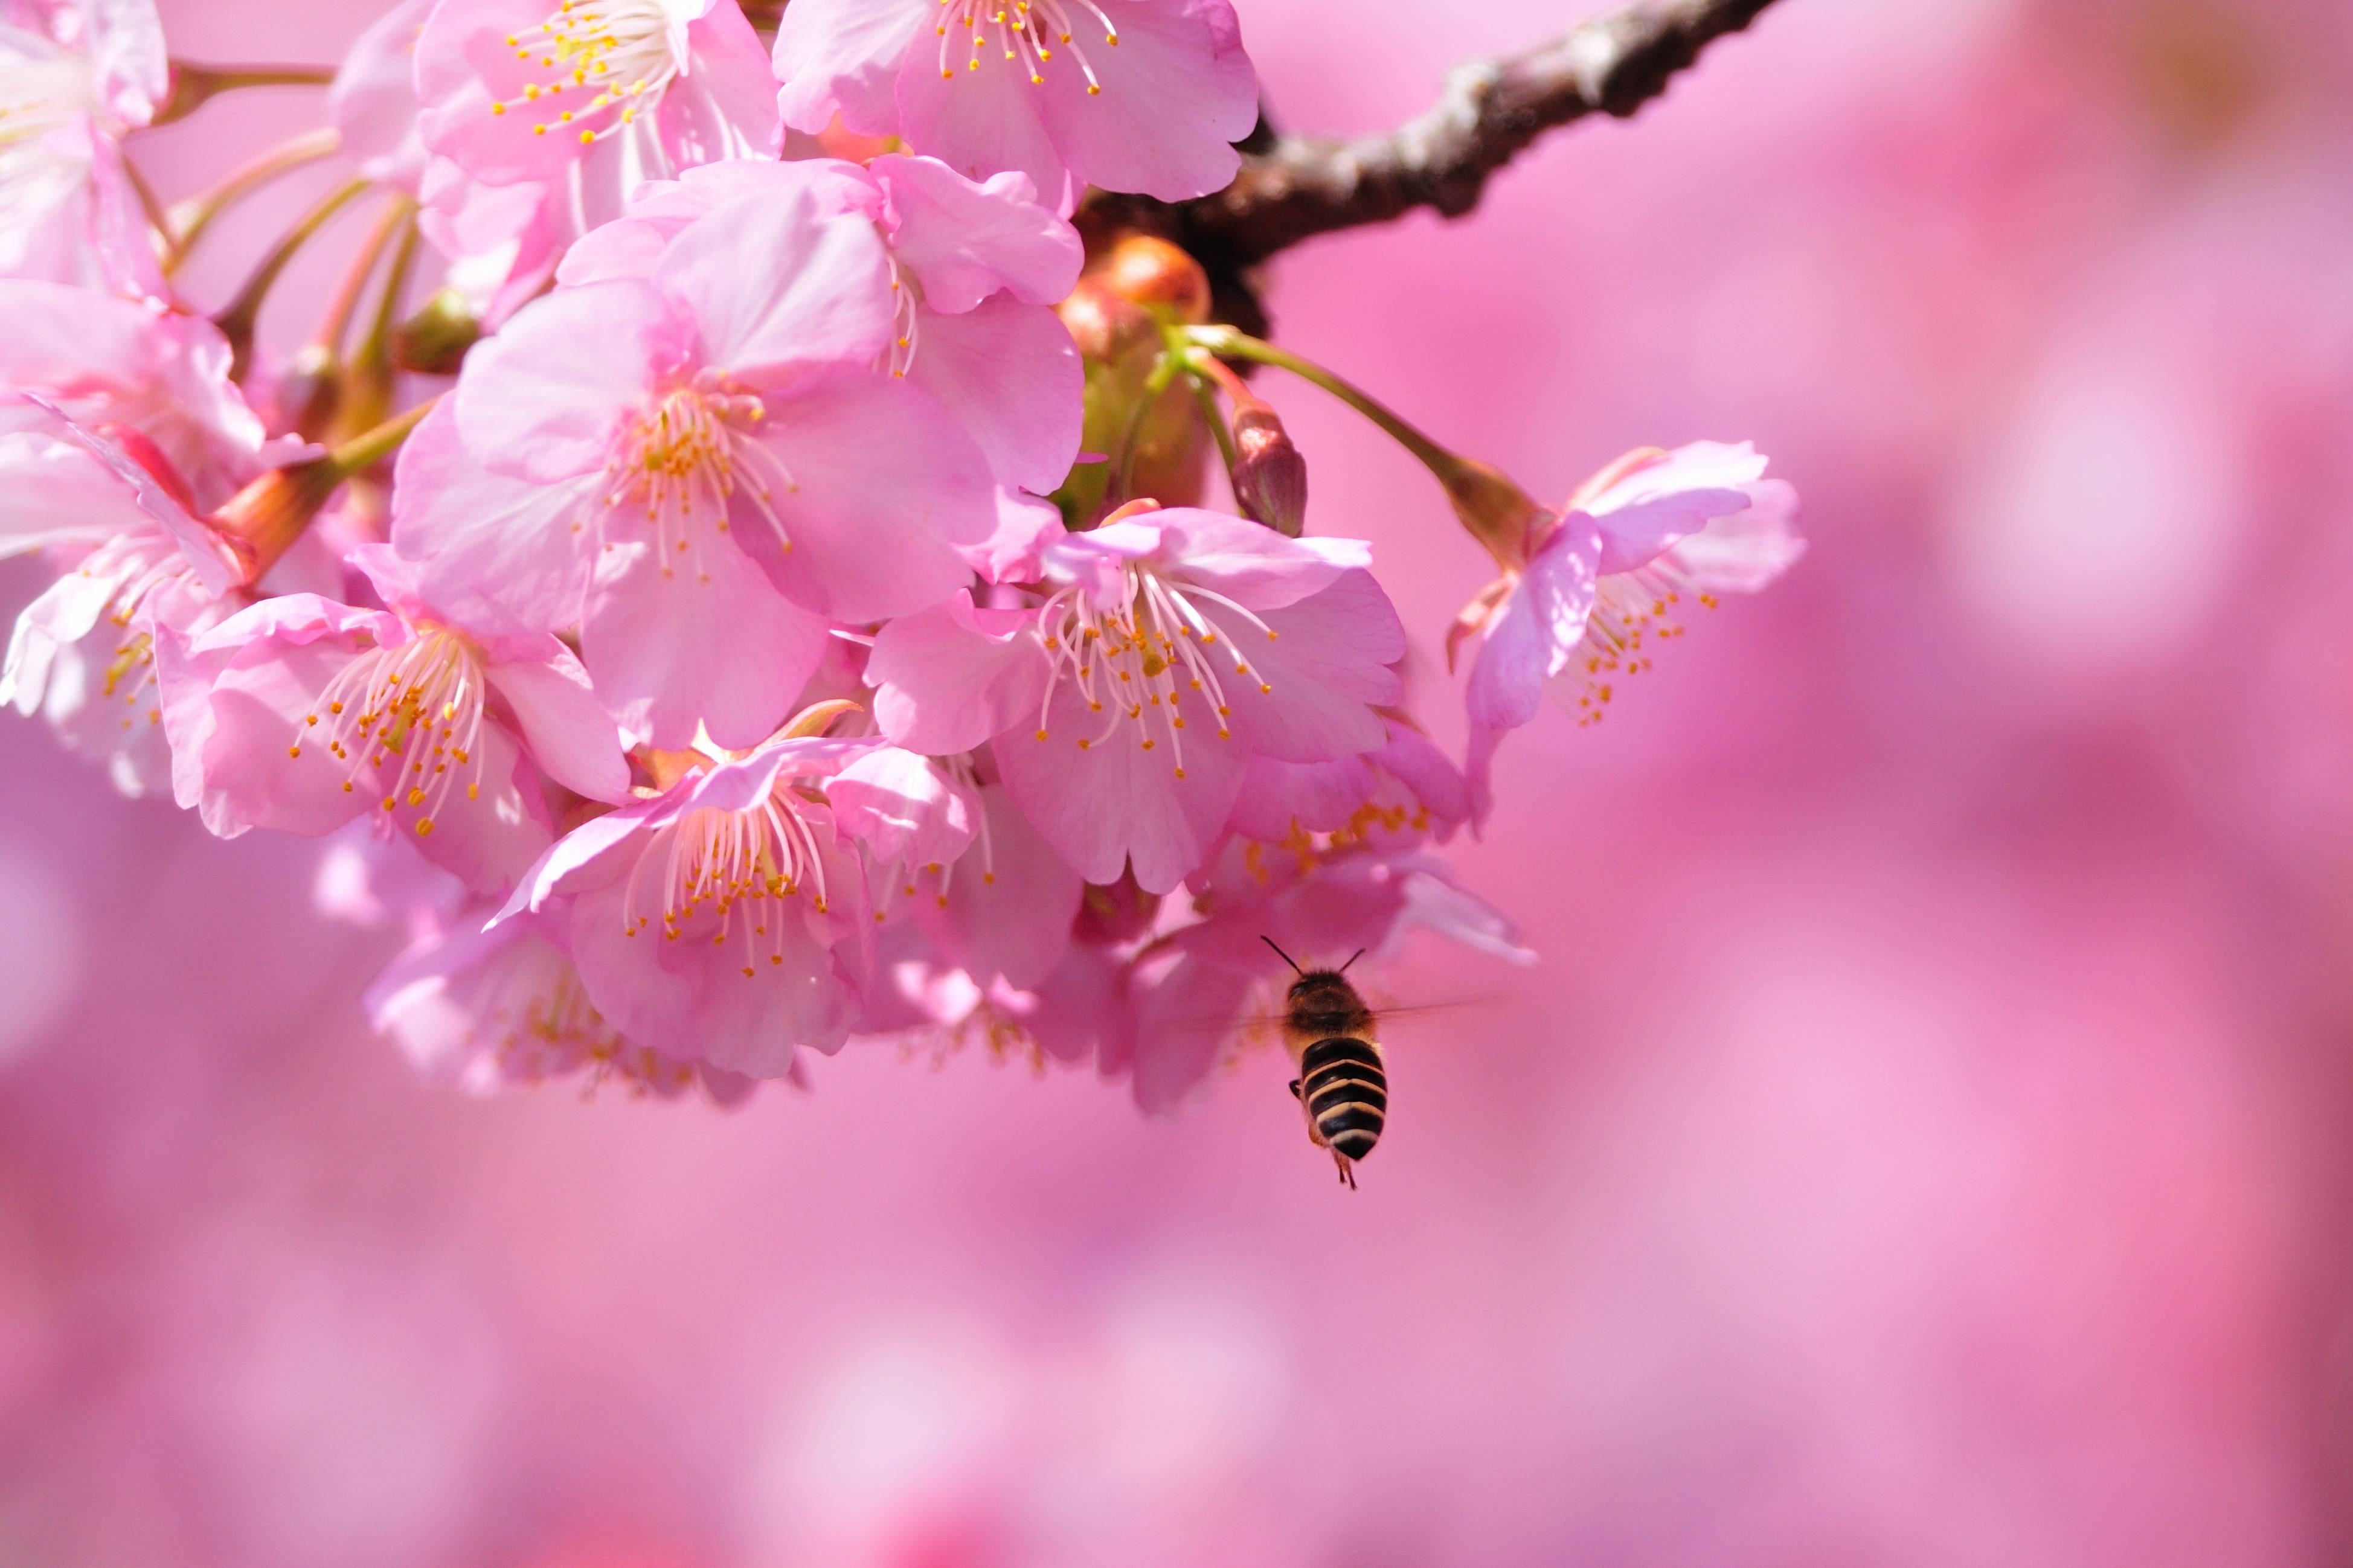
(435, 341)
(1269, 473)
(261, 521)
(310, 393)
(1157, 276)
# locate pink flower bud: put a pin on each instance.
(434, 341)
(1271, 476)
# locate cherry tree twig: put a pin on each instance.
(1293, 188)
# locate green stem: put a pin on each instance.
(1228, 343)
(1123, 474)
(237, 321)
(377, 347)
(1215, 420)
(364, 451)
(346, 303)
(188, 221)
(192, 86)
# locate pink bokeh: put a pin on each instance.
(1924, 1141)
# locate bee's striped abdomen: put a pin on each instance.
(1346, 1094)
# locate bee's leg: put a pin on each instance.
(1294, 1088)
(1347, 1175)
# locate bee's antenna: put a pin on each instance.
(1352, 958)
(1287, 958)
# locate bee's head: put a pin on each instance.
(1322, 991)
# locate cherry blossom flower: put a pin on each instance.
(133, 564)
(702, 468)
(299, 714)
(109, 364)
(1208, 981)
(75, 78)
(593, 97)
(1130, 95)
(975, 267)
(1173, 647)
(1601, 584)
(723, 921)
(484, 1010)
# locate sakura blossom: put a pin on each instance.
(1129, 95)
(75, 78)
(701, 468)
(133, 565)
(299, 714)
(1591, 594)
(722, 921)
(1125, 707)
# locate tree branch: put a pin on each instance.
(1489, 112)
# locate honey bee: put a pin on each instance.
(1342, 1086)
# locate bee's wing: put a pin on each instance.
(1260, 1023)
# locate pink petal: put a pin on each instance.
(1327, 667)
(690, 996)
(487, 841)
(1010, 901)
(725, 105)
(374, 101)
(1318, 796)
(1530, 638)
(1253, 566)
(887, 487)
(566, 728)
(463, 65)
(1657, 502)
(843, 56)
(952, 677)
(702, 638)
(1418, 763)
(60, 493)
(904, 808)
(231, 743)
(1016, 552)
(1010, 374)
(691, 999)
(981, 122)
(966, 240)
(626, 247)
(1744, 552)
(1105, 806)
(544, 398)
(598, 854)
(1177, 91)
(1182, 1028)
(477, 533)
(819, 300)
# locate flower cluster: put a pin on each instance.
(774, 607)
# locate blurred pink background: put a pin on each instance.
(1926, 1140)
